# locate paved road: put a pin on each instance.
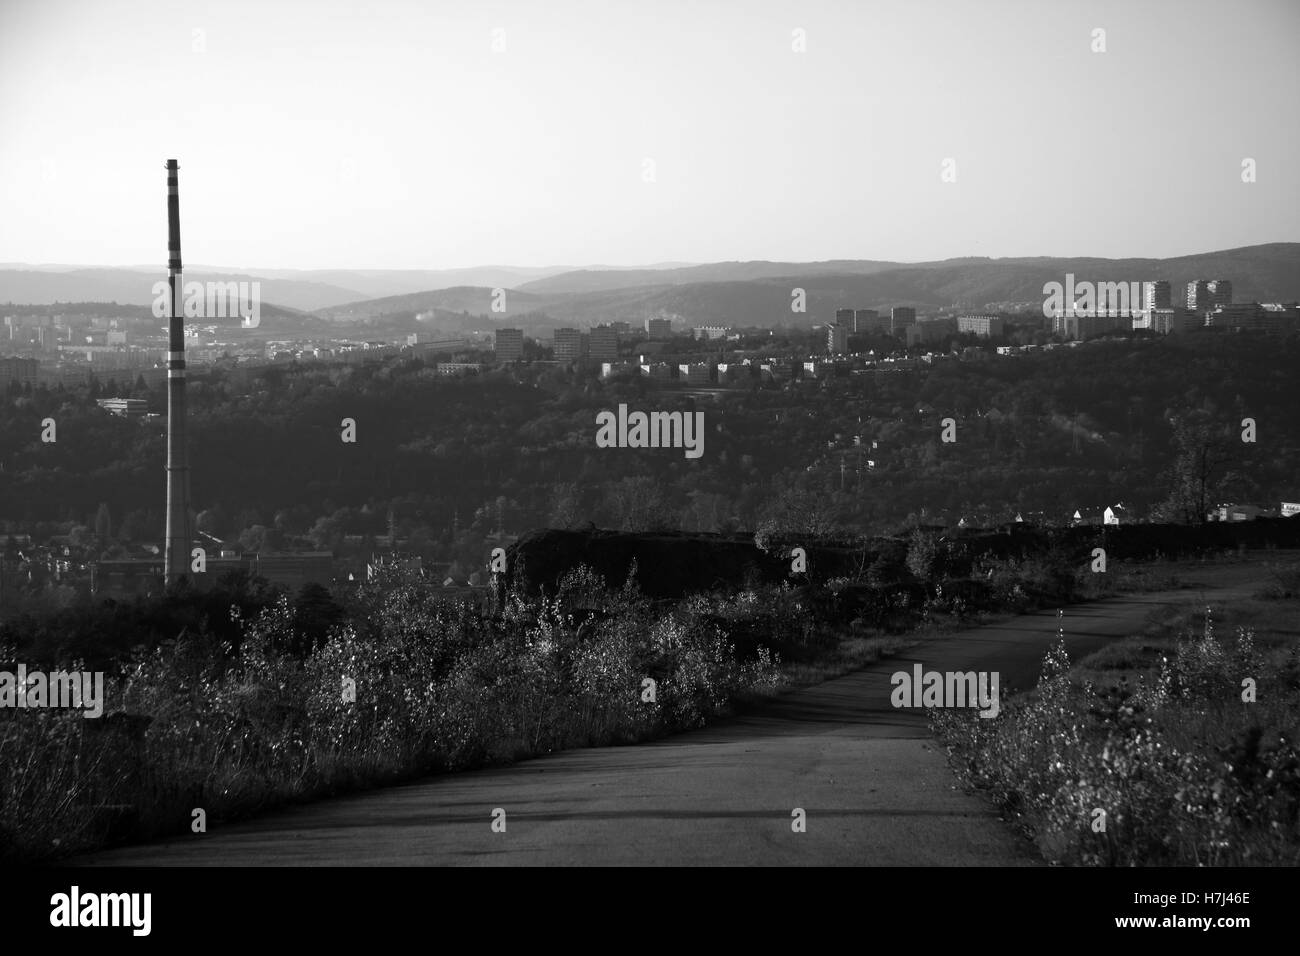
(875, 789)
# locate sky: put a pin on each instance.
(439, 134)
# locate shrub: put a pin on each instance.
(236, 727)
(1069, 750)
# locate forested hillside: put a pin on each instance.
(443, 463)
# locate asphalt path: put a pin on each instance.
(873, 785)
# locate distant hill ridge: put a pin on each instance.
(759, 293)
(722, 293)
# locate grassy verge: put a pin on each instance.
(1175, 746)
(198, 724)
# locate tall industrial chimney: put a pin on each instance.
(177, 554)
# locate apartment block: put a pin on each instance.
(125, 407)
(618, 369)
(657, 371)
(984, 325)
(900, 317)
(736, 373)
(919, 333)
(711, 332)
(659, 328)
(776, 371)
(1245, 316)
(509, 345)
(20, 370)
(603, 344)
(1157, 294)
(1206, 294)
(837, 339)
(869, 320)
(567, 345)
(1220, 292)
(697, 373)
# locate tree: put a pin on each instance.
(326, 534)
(565, 505)
(887, 569)
(103, 522)
(922, 553)
(638, 504)
(704, 509)
(139, 525)
(794, 510)
(254, 538)
(1202, 451)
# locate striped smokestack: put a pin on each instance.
(177, 554)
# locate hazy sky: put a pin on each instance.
(391, 135)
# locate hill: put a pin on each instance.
(759, 293)
(135, 287)
(724, 293)
(306, 290)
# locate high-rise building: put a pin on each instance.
(1220, 292)
(1199, 296)
(985, 325)
(603, 344)
(1246, 316)
(659, 328)
(926, 332)
(837, 339)
(866, 320)
(568, 345)
(844, 319)
(900, 317)
(1157, 294)
(509, 345)
(20, 370)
